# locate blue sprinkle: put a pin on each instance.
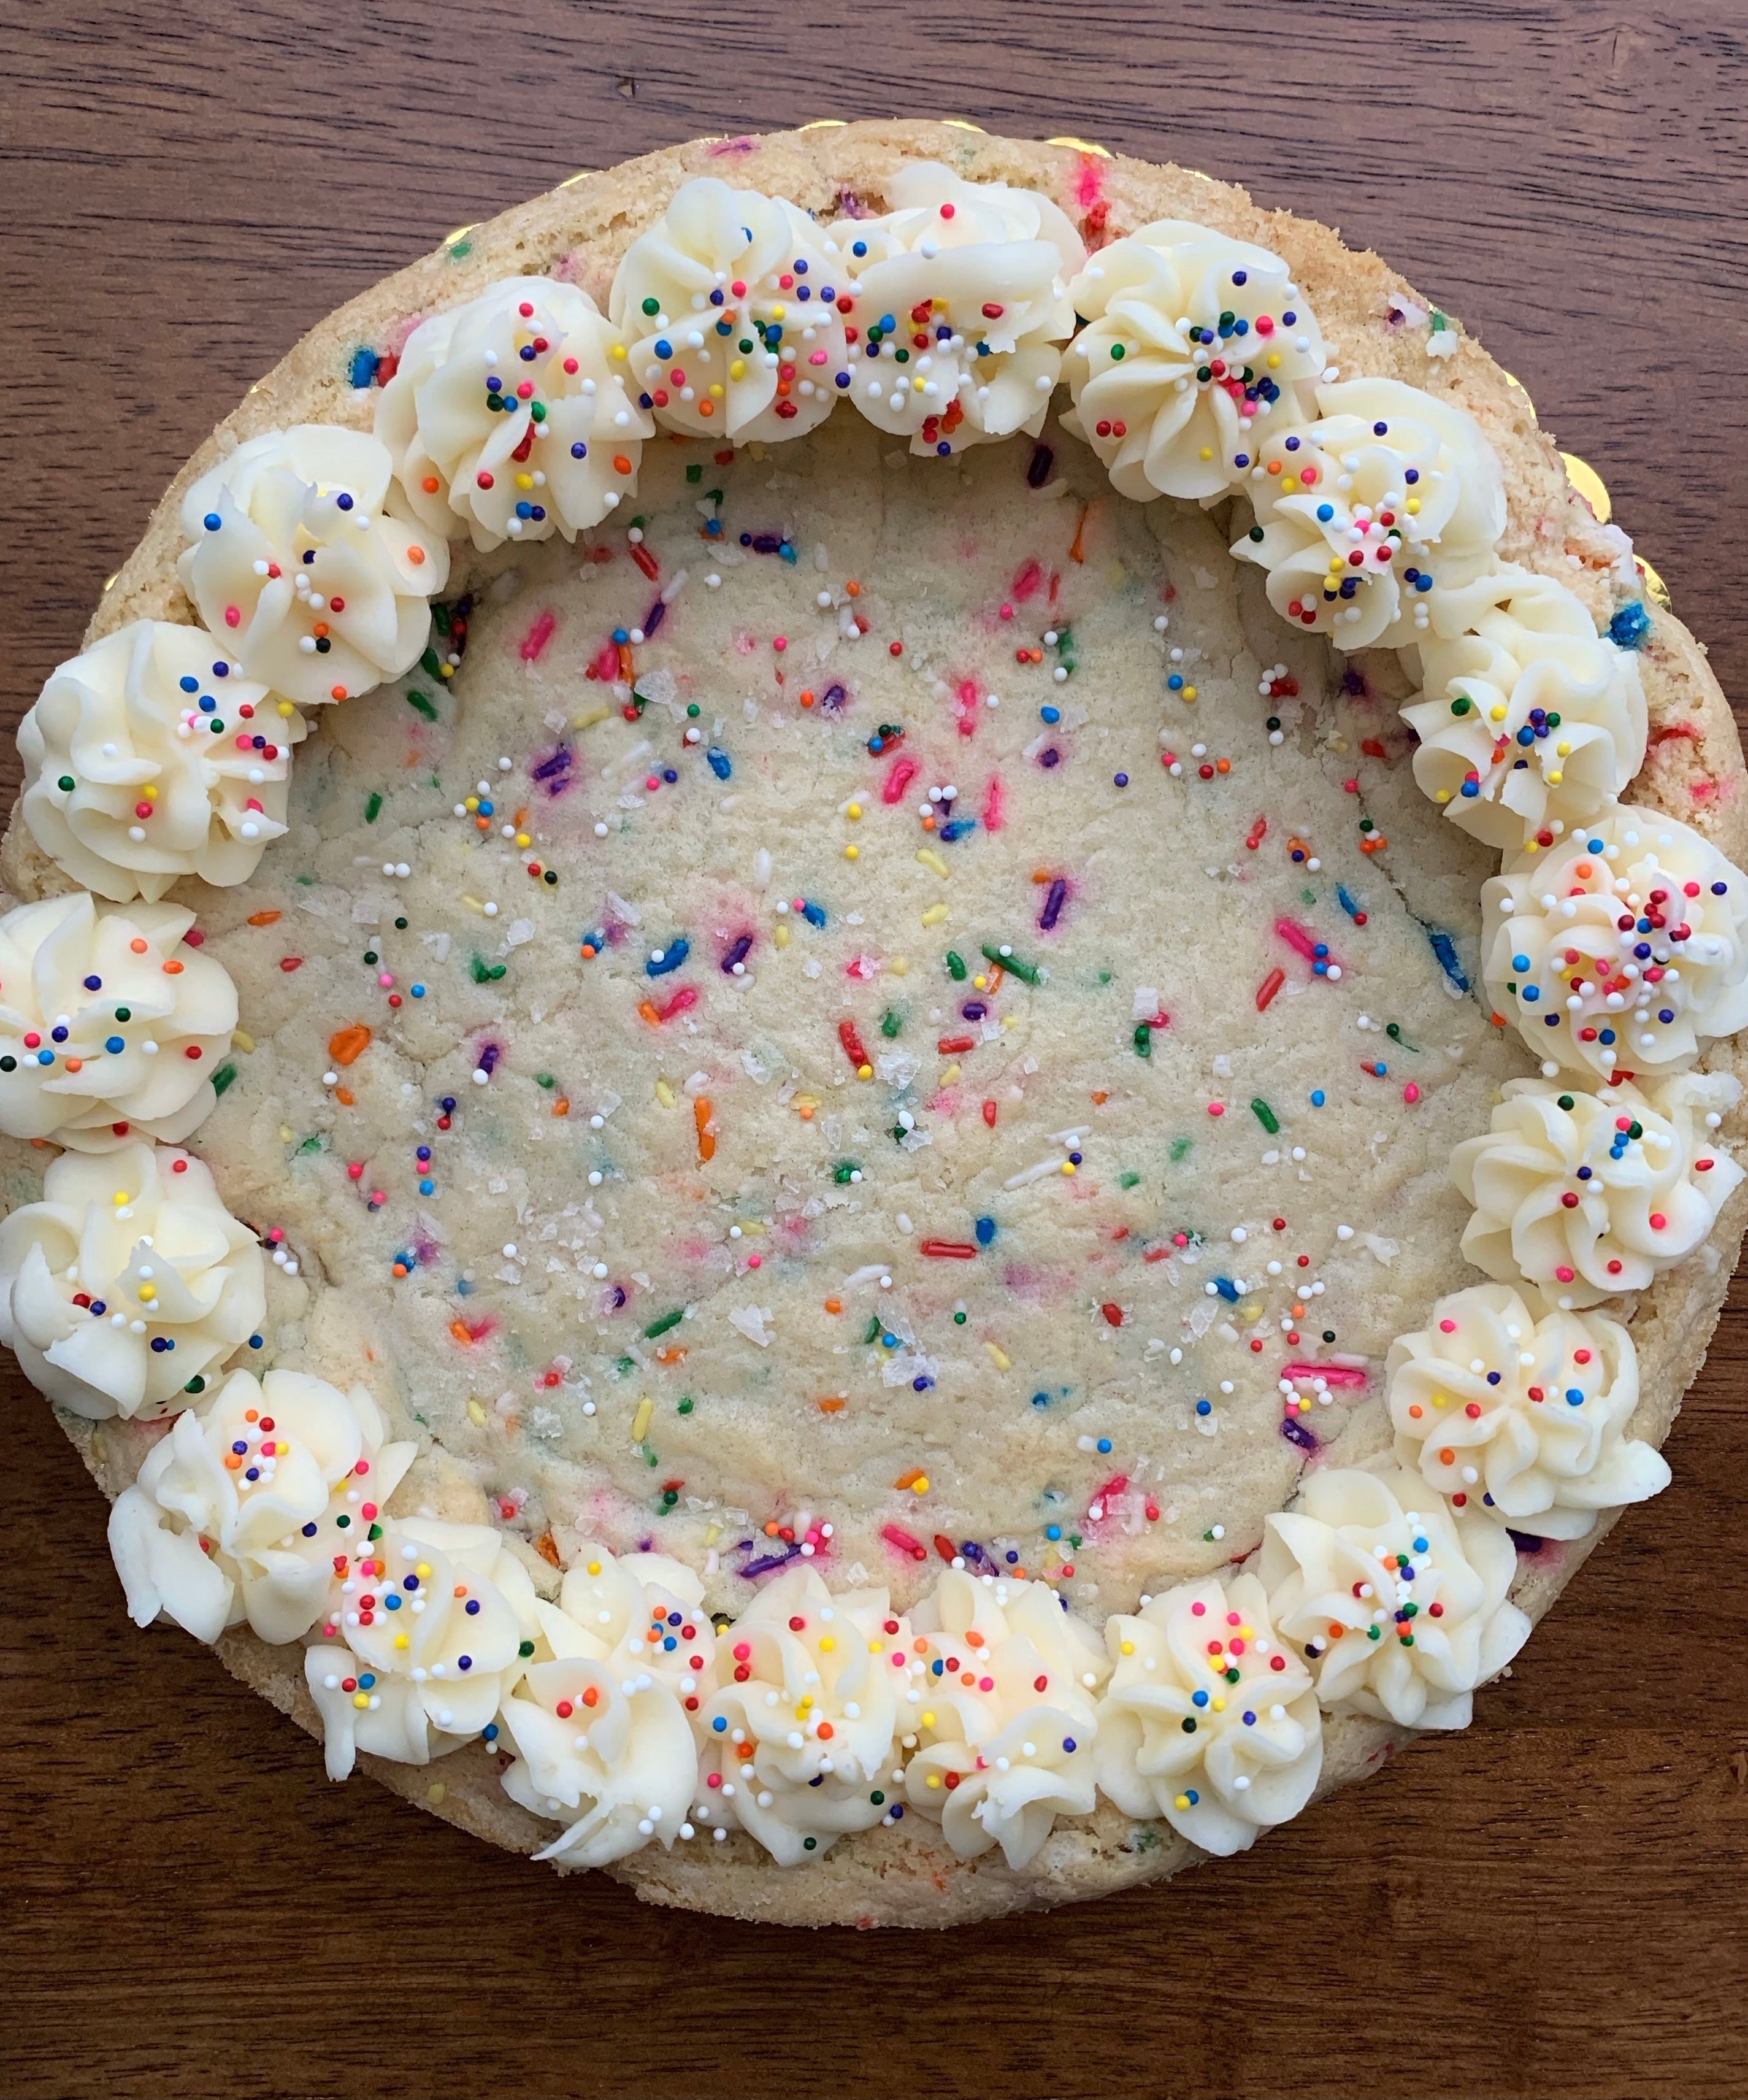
(1317, 1097)
(1445, 948)
(719, 763)
(985, 1231)
(363, 368)
(1227, 1288)
(814, 914)
(672, 956)
(1631, 627)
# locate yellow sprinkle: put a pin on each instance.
(151, 794)
(286, 1133)
(827, 1644)
(401, 1641)
(999, 1357)
(852, 852)
(640, 1419)
(898, 965)
(1443, 795)
(780, 938)
(147, 1292)
(1497, 713)
(864, 1071)
(242, 1040)
(928, 1720)
(664, 1093)
(980, 984)
(435, 1792)
(1413, 506)
(920, 1485)
(1067, 1166)
(1189, 692)
(618, 352)
(286, 708)
(476, 1414)
(932, 861)
(1208, 451)
(934, 914)
(594, 1568)
(361, 1700)
(712, 1533)
(716, 391)
(1554, 779)
(854, 811)
(523, 840)
(951, 1076)
(590, 715)
(737, 370)
(934, 1779)
(525, 481)
(473, 904)
(1128, 1647)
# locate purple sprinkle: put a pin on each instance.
(764, 1565)
(1295, 1432)
(738, 954)
(652, 619)
(1353, 683)
(1049, 758)
(489, 1056)
(560, 762)
(1052, 904)
(833, 699)
(1526, 1541)
(1038, 467)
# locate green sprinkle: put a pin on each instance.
(222, 1078)
(890, 1021)
(872, 1333)
(309, 1145)
(1394, 1029)
(685, 1404)
(695, 473)
(485, 972)
(846, 1170)
(1143, 1040)
(1127, 1180)
(955, 966)
(421, 706)
(543, 1079)
(1266, 1116)
(1179, 1147)
(372, 809)
(958, 1319)
(1307, 896)
(525, 1649)
(625, 1367)
(459, 250)
(1026, 973)
(431, 664)
(661, 1326)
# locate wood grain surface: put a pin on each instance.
(1552, 1903)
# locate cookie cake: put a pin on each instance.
(868, 1023)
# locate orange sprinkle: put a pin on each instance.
(621, 463)
(649, 1013)
(344, 1096)
(671, 1355)
(807, 698)
(910, 1478)
(349, 1044)
(172, 970)
(75, 1064)
(700, 1118)
(1077, 546)
(1100, 1098)
(831, 1407)
(587, 951)
(547, 1546)
(852, 590)
(415, 555)
(461, 1332)
(834, 1304)
(138, 946)
(264, 918)
(561, 1107)
(626, 667)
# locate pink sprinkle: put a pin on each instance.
(233, 618)
(534, 641)
(902, 772)
(1298, 938)
(780, 642)
(1340, 1375)
(1027, 583)
(356, 1170)
(995, 804)
(895, 1535)
(1217, 1108)
(1411, 1093)
(756, 1261)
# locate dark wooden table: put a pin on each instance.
(1552, 1903)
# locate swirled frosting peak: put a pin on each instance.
(1399, 1605)
(1529, 722)
(110, 1025)
(127, 1282)
(1365, 516)
(602, 1744)
(295, 555)
(1521, 1418)
(251, 1504)
(1620, 950)
(733, 309)
(1006, 1683)
(1208, 1720)
(1194, 344)
(508, 418)
(434, 1617)
(798, 1741)
(152, 756)
(963, 311)
(1587, 1194)
(644, 1612)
